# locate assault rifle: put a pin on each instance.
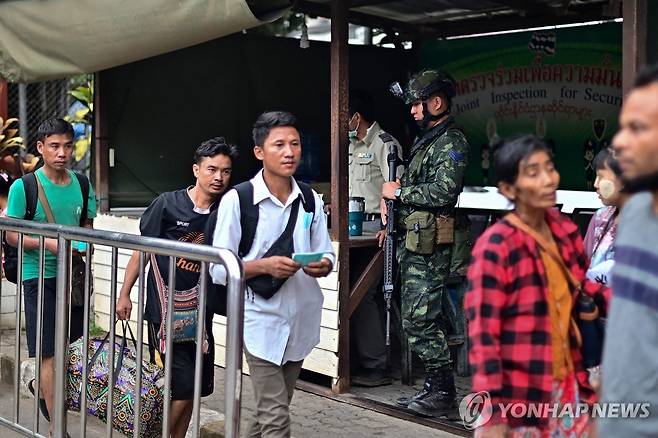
(389, 242)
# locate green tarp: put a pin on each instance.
(47, 39)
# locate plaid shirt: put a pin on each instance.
(509, 326)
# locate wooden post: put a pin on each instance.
(634, 47)
(101, 148)
(339, 180)
(4, 100)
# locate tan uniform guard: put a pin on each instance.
(368, 167)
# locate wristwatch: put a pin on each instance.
(397, 192)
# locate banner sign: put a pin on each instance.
(563, 85)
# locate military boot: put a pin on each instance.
(439, 395)
(404, 401)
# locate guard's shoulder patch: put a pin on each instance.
(386, 137)
(457, 156)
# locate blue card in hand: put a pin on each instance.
(304, 258)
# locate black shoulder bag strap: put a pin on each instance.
(248, 216)
(84, 187)
(266, 285)
(31, 195)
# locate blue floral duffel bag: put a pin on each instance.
(125, 372)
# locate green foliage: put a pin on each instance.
(83, 93)
(94, 330)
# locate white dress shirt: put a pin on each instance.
(287, 326)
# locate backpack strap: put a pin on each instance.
(248, 216)
(31, 195)
(249, 212)
(308, 198)
(84, 187)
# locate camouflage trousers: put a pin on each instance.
(423, 279)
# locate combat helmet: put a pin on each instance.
(421, 87)
(425, 83)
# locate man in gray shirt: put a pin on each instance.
(630, 357)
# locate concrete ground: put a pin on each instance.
(312, 415)
(319, 417)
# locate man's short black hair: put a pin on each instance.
(361, 102)
(647, 76)
(508, 157)
(269, 120)
(215, 146)
(54, 126)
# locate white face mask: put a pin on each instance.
(353, 135)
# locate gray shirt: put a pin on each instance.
(630, 357)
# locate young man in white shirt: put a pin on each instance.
(281, 330)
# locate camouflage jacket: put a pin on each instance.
(434, 175)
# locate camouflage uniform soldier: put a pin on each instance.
(426, 197)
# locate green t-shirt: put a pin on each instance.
(66, 205)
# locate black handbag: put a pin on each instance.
(78, 270)
(267, 285)
(592, 330)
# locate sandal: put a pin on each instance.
(42, 403)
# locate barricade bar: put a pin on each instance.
(61, 336)
(164, 247)
(39, 335)
(198, 364)
(17, 353)
(169, 346)
(141, 288)
(85, 345)
(63, 321)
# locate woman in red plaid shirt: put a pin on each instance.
(519, 304)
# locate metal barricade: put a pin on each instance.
(173, 249)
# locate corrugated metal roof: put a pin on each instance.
(455, 17)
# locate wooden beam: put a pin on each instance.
(369, 278)
(339, 180)
(101, 147)
(634, 40)
(4, 100)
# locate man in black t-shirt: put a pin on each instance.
(181, 215)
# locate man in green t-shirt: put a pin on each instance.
(64, 195)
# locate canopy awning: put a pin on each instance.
(48, 39)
